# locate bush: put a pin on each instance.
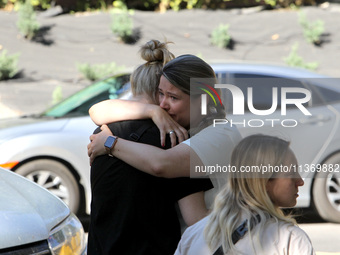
(98, 71)
(8, 65)
(43, 4)
(312, 31)
(27, 23)
(295, 60)
(57, 95)
(220, 36)
(163, 5)
(122, 26)
(288, 3)
(122, 23)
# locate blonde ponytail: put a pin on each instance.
(145, 79)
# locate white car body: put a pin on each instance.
(63, 139)
(30, 217)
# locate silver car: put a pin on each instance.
(50, 149)
(34, 221)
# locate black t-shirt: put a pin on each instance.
(133, 213)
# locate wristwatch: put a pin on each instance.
(110, 143)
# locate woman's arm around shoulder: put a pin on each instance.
(170, 163)
(114, 110)
(193, 208)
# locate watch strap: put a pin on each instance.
(109, 149)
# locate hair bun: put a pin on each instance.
(155, 51)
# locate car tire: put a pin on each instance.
(55, 177)
(326, 191)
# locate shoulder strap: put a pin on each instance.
(135, 136)
(240, 232)
(219, 251)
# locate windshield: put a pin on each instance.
(79, 103)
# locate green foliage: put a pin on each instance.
(176, 5)
(57, 95)
(121, 22)
(211, 4)
(3, 3)
(80, 5)
(295, 60)
(220, 36)
(98, 71)
(163, 5)
(88, 5)
(311, 30)
(8, 65)
(27, 23)
(43, 4)
(288, 3)
(272, 3)
(39, 4)
(119, 5)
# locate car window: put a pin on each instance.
(79, 103)
(327, 88)
(222, 77)
(262, 90)
(330, 96)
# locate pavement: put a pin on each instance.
(259, 36)
(50, 61)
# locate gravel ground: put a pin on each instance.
(261, 36)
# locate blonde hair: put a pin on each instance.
(244, 193)
(145, 78)
(186, 73)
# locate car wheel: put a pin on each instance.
(55, 177)
(326, 191)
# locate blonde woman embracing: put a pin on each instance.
(247, 218)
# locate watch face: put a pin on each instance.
(110, 141)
